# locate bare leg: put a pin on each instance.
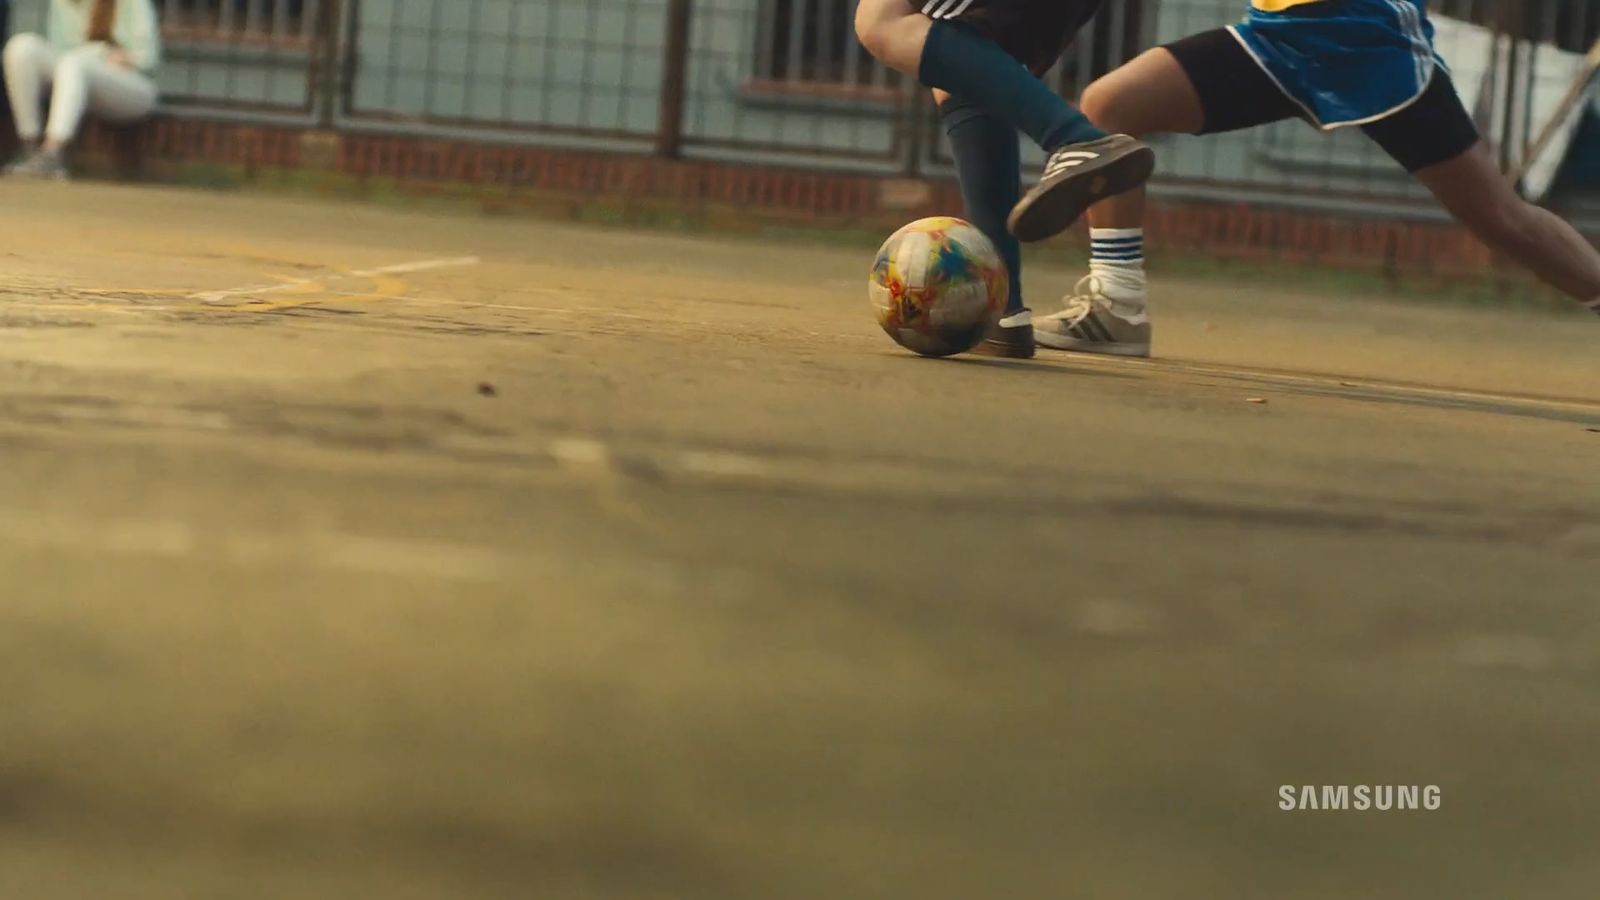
(85, 84)
(1108, 312)
(1473, 190)
(29, 64)
(894, 32)
(1149, 95)
(1085, 163)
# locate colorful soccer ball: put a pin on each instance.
(938, 284)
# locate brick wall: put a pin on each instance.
(725, 193)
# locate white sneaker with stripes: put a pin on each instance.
(1091, 323)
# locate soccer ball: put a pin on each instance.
(937, 286)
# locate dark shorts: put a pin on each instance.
(1236, 93)
(1033, 31)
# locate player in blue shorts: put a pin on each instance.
(1369, 64)
(983, 59)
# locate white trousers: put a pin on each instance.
(79, 81)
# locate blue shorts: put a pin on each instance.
(1332, 70)
(1345, 62)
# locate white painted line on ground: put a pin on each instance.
(1321, 380)
(253, 290)
(580, 453)
(422, 265)
(478, 304)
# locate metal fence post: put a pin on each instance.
(917, 124)
(1511, 25)
(325, 60)
(346, 48)
(674, 80)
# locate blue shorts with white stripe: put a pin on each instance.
(1345, 62)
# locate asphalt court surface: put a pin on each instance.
(350, 551)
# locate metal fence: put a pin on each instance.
(773, 80)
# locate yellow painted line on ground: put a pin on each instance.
(384, 288)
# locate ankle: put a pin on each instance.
(1116, 260)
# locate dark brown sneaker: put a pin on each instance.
(1011, 338)
(1077, 177)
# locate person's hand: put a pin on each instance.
(119, 57)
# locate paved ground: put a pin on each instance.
(349, 553)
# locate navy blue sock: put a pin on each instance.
(989, 165)
(957, 60)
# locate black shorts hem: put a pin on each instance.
(1435, 128)
(1034, 32)
(1236, 93)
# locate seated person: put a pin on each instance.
(98, 59)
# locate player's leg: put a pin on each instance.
(1472, 188)
(1150, 95)
(85, 82)
(1436, 141)
(1203, 84)
(1085, 164)
(28, 64)
(989, 169)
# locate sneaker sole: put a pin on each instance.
(1049, 210)
(1008, 343)
(1074, 345)
(1005, 349)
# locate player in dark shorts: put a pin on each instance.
(1334, 63)
(983, 59)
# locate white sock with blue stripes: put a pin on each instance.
(1116, 258)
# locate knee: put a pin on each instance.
(1099, 103)
(873, 32)
(876, 26)
(23, 46)
(71, 67)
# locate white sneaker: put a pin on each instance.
(1089, 324)
(41, 165)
